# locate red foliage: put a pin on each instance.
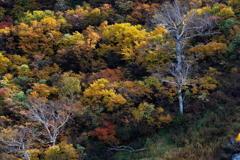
(5, 24)
(105, 134)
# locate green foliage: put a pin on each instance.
(69, 40)
(180, 119)
(18, 63)
(22, 81)
(80, 150)
(70, 87)
(21, 6)
(215, 8)
(2, 13)
(24, 67)
(144, 111)
(43, 81)
(20, 99)
(234, 47)
(124, 7)
(36, 15)
(228, 24)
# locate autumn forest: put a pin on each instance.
(119, 80)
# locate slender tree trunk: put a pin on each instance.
(180, 100)
(179, 58)
(53, 144)
(25, 153)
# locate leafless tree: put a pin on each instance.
(52, 115)
(182, 23)
(15, 140)
(168, 73)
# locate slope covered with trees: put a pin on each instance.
(153, 79)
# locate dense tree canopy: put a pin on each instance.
(98, 79)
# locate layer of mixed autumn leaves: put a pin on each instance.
(83, 55)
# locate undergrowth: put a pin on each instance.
(191, 138)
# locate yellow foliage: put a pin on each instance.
(92, 37)
(131, 41)
(24, 70)
(71, 40)
(124, 35)
(46, 72)
(78, 10)
(39, 37)
(235, 4)
(225, 13)
(8, 81)
(5, 31)
(33, 154)
(195, 3)
(61, 151)
(4, 62)
(16, 62)
(238, 138)
(201, 10)
(212, 51)
(153, 116)
(98, 94)
(234, 69)
(206, 83)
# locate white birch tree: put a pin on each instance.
(51, 114)
(182, 23)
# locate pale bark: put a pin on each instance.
(180, 100)
(182, 23)
(52, 115)
(16, 141)
(25, 153)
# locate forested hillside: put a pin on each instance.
(104, 79)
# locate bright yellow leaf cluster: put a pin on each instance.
(4, 62)
(97, 94)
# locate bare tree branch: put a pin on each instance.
(52, 115)
(125, 149)
(182, 23)
(16, 139)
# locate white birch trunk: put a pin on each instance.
(25, 153)
(180, 100)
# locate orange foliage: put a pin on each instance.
(46, 72)
(212, 51)
(42, 91)
(39, 37)
(135, 92)
(112, 75)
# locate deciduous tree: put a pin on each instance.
(182, 24)
(51, 114)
